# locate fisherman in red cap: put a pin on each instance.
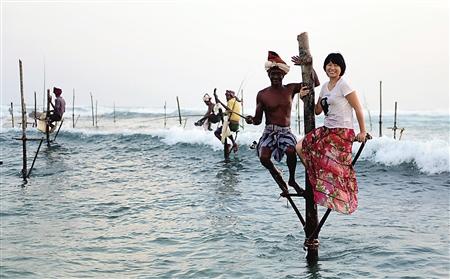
(58, 108)
(233, 111)
(275, 102)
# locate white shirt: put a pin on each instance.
(340, 113)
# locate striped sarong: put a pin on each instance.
(276, 138)
(328, 153)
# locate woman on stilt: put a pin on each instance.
(327, 151)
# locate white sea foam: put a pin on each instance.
(430, 156)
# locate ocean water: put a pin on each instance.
(135, 199)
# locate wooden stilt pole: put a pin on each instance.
(35, 110)
(73, 108)
(43, 93)
(96, 114)
(34, 159)
(395, 120)
(179, 111)
(242, 109)
(92, 108)
(24, 126)
(309, 120)
(298, 114)
(165, 114)
(11, 110)
(114, 113)
(380, 122)
(47, 126)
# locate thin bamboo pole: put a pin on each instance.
(34, 159)
(380, 122)
(12, 114)
(179, 111)
(242, 109)
(165, 114)
(298, 114)
(35, 110)
(24, 126)
(43, 92)
(92, 107)
(395, 120)
(73, 108)
(96, 114)
(47, 126)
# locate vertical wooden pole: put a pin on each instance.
(92, 107)
(395, 120)
(35, 110)
(47, 126)
(242, 108)
(165, 114)
(96, 114)
(309, 120)
(24, 126)
(298, 114)
(73, 108)
(114, 113)
(43, 92)
(380, 122)
(12, 114)
(179, 111)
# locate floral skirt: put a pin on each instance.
(328, 153)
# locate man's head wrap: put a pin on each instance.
(57, 91)
(231, 93)
(206, 98)
(274, 60)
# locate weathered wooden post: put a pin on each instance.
(309, 120)
(11, 110)
(179, 112)
(24, 126)
(380, 122)
(92, 107)
(73, 109)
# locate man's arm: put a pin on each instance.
(301, 88)
(257, 119)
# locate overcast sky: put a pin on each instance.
(143, 53)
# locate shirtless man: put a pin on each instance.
(210, 116)
(275, 102)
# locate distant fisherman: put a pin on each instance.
(275, 102)
(233, 111)
(58, 108)
(210, 116)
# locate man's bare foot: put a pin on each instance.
(227, 148)
(297, 188)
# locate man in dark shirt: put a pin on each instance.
(58, 108)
